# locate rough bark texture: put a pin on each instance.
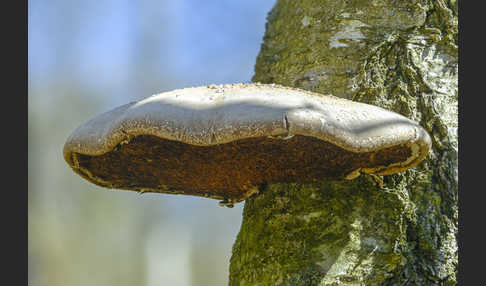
(400, 55)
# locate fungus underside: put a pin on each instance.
(226, 171)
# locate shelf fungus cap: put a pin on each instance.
(223, 141)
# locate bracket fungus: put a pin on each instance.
(223, 141)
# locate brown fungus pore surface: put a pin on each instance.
(229, 170)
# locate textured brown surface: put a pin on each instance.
(227, 170)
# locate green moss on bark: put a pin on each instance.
(294, 233)
(400, 55)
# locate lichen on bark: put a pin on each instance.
(400, 55)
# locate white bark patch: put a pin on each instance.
(439, 71)
(309, 216)
(349, 31)
(306, 21)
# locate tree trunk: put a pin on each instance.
(399, 55)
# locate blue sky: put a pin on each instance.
(132, 47)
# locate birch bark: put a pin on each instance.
(400, 55)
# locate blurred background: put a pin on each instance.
(87, 57)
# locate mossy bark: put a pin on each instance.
(400, 55)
